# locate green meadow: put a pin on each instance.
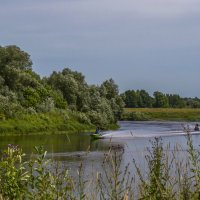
(168, 114)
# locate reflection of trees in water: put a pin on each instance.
(52, 143)
(105, 145)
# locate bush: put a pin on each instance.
(136, 116)
(46, 106)
(83, 118)
(98, 119)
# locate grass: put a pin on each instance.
(167, 114)
(38, 123)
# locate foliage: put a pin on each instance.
(31, 97)
(13, 176)
(113, 182)
(41, 178)
(32, 179)
(130, 99)
(101, 105)
(161, 101)
(109, 89)
(175, 101)
(69, 83)
(48, 122)
(156, 186)
(135, 116)
(12, 61)
(22, 91)
(141, 99)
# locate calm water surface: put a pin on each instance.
(133, 137)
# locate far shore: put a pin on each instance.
(161, 114)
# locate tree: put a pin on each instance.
(73, 87)
(175, 101)
(13, 56)
(144, 99)
(130, 99)
(12, 61)
(192, 102)
(109, 89)
(31, 97)
(135, 99)
(161, 101)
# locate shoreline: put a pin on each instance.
(161, 114)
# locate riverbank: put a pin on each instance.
(161, 114)
(57, 122)
(50, 123)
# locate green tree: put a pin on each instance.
(144, 99)
(72, 85)
(12, 61)
(192, 102)
(21, 88)
(161, 101)
(13, 56)
(130, 99)
(31, 97)
(109, 89)
(175, 101)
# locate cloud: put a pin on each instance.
(122, 39)
(145, 8)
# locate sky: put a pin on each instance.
(141, 44)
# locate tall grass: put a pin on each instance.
(156, 185)
(169, 175)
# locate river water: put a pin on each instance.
(132, 137)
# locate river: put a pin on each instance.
(132, 137)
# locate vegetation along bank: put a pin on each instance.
(64, 101)
(61, 102)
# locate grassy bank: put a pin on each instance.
(167, 114)
(52, 122)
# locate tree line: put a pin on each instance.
(23, 91)
(142, 99)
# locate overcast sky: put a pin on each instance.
(141, 44)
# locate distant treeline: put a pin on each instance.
(24, 92)
(142, 99)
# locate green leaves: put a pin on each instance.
(14, 56)
(100, 106)
(161, 100)
(13, 61)
(13, 176)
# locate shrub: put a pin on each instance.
(136, 116)
(46, 106)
